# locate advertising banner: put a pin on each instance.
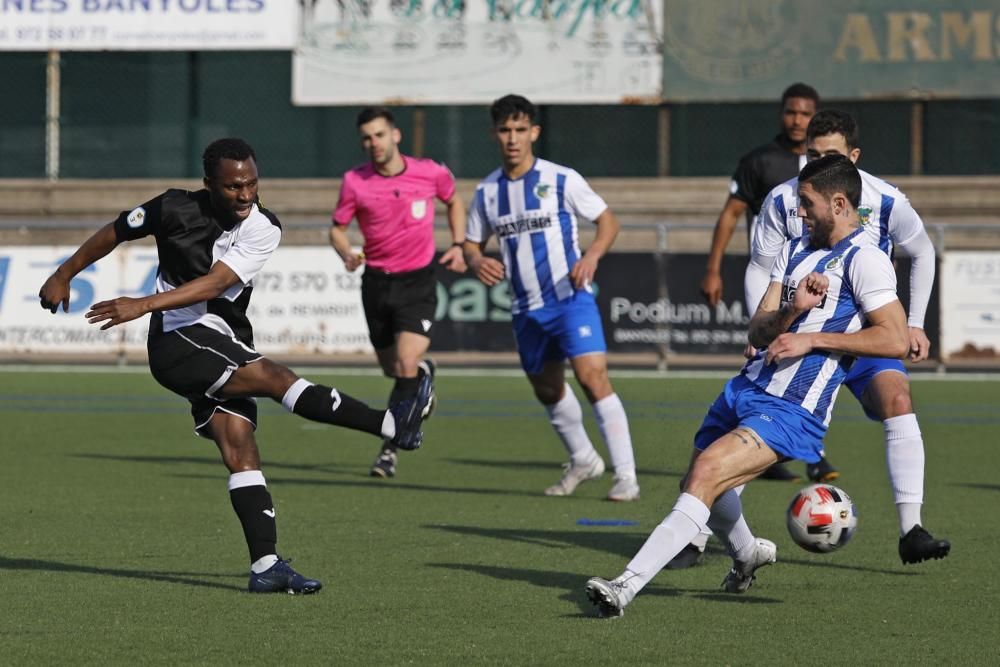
(473, 51)
(148, 25)
(304, 302)
(970, 305)
(738, 50)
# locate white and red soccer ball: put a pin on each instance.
(821, 518)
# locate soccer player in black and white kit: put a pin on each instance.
(211, 244)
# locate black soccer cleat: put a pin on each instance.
(281, 578)
(822, 471)
(409, 415)
(918, 545)
(385, 464)
(778, 472)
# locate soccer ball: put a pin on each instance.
(821, 518)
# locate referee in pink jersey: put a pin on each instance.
(392, 197)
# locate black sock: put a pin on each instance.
(330, 406)
(403, 388)
(255, 510)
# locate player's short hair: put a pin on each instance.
(803, 90)
(832, 174)
(229, 148)
(834, 121)
(368, 114)
(512, 106)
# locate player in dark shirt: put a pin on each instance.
(211, 245)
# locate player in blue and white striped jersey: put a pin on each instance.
(533, 207)
(881, 385)
(832, 297)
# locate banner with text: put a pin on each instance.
(970, 305)
(148, 25)
(473, 51)
(304, 302)
(736, 50)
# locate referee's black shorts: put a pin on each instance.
(194, 362)
(396, 302)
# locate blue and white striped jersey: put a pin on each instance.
(886, 216)
(535, 219)
(861, 280)
(885, 212)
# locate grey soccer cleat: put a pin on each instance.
(741, 576)
(609, 597)
(625, 489)
(574, 475)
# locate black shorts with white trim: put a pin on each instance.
(195, 362)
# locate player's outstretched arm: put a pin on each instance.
(454, 257)
(607, 231)
(125, 309)
(55, 290)
(711, 284)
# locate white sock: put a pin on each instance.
(904, 455)
(388, 426)
(566, 417)
(728, 523)
(264, 563)
(685, 520)
(613, 423)
(293, 393)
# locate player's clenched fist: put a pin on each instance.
(811, 291)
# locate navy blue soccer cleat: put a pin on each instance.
(409, 414)
(281, 578)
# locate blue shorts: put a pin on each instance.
(785, 427)
(862, 372)
(571, 329)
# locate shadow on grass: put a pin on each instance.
(613, 541)
(34, 564)
(572, 583)
(214, 461)
(543, 465)
(974, 485)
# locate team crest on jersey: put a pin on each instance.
(418, 209)
(136, 217)
(865, 213)
(833, 263)
(543, 190)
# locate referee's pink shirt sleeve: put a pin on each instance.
(344, 213)
(445, 183)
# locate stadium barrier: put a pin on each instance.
(306, 306)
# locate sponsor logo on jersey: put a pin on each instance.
(543, 190)
(788, 295)
(136, 217)
(530, 224)
(865, 213)
(418, 209)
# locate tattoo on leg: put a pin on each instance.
(750, 436)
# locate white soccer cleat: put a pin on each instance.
(610, 597)
(742, 576)
(625, 489)
(574, 475)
